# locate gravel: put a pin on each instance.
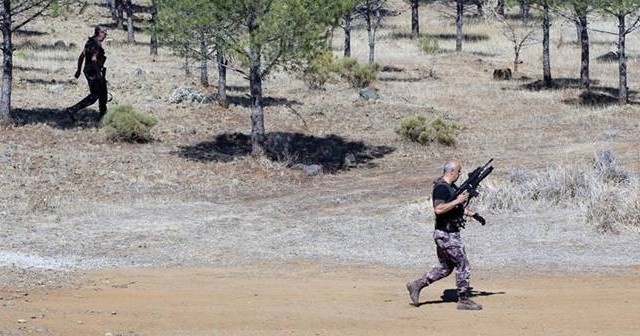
(46, 247)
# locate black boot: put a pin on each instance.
(71, 113)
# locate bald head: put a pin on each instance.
(451, 171)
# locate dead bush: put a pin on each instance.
(607, 195)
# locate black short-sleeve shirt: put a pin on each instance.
(93, 47)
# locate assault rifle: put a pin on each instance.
(471, 185)
(473, 181)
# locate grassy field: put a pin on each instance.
(51, 164)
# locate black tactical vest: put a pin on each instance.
(452, 220)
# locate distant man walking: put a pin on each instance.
(449, 213)
(93, 57)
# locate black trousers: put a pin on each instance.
(97, 92)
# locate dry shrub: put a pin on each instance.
(418, 129)
(608, 195)
(608, 168)
(429, 45)
(356, 74)
(320, 70)
(123, 123)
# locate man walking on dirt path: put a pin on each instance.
(449, 218)
(93, 56)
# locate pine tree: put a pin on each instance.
(14, 15)
(622, 10)
(272, 34)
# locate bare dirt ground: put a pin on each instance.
(315, 300)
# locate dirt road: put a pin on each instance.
(320, 300)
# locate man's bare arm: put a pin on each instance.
(80, 61)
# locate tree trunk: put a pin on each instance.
(585, 82)
(480, 7)
(415, 22)
(459, 34)
(623, 91)
(129, 8)
(204, 68)
(153, 43)
(118, 14)
(546, 58)
(255, 87)
(500, 8)
(222, 76)
(257, 114)
(187, 72)
(7, 63)
(525, 11)
(371, 37)
(347, 35)
(516, 59)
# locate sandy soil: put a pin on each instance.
(321, 300)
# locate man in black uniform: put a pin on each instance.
(449, 213)
(94, 58)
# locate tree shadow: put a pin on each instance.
(29, 33)
(245, 101)
(59, 45)
(113, 26)
(332, 152)
(125, 43)
(29, 69)
(600, 97)
(39, 81)
(556, 84)
(484, 54)
(451, 295)
(404, 79)
(466, 37)
(400, 35)
(57, 118)
(594, 96)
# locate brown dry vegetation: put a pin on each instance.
(58, 174)
(57, 164)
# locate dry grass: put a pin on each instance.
(606, 193)
(51, 165)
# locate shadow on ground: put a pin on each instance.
(556, 84)
(594, 96)
(332, 152)
(245, 101)
(57, 118)
(451, 295)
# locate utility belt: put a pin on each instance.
(453, 225)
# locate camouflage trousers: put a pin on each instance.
(451, 255)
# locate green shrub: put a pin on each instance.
(445, 131)
(320, 69)
(123, 123)
(357, 75)
(418, 129)
(429, 45)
